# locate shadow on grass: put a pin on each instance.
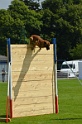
(64, 119)
(2, 118)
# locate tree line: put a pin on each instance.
(61, 19)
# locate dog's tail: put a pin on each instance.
(31, 40)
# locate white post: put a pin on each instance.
(9, 76)
(55, 75)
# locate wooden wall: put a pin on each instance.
(32, 81)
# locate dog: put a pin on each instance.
(36, 40)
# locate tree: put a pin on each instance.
(18, 23)
(57, 18)
(76, 52)
(25, 20)
(32, 4)
(48, 27)
(5, 29)
(68, 24)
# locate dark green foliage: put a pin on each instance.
(76, 52)
(32, 4)
(57, 18)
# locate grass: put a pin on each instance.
(3, 94)
(70, 105)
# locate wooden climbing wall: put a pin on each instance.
(32, 81)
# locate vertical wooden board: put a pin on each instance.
(32, 79)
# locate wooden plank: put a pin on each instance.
(17, 76)
(31, 104)
(41, 61)
(31, 93)
(25, 49)
(31, 83)
(32, 88)
(30, 75)
(36, 61)
(31, 68)
(32, 100)
(40, 72)
(34, 106)
(32, 112)
(29, 59)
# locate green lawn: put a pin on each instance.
(70, 105)
(3, 97)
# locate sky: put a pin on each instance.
(5, 3)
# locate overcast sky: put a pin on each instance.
(4, 3)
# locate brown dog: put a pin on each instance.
(36, 40)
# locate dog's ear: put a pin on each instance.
(45, 43)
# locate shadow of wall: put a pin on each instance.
(22, 66)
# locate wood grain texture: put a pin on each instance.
(32, 81)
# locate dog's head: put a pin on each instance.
(47, 44)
